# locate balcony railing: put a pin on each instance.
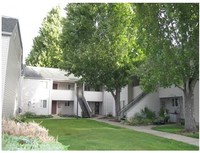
(93, 95)
(62, 95)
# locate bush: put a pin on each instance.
(145, 117)
(27, 136)
(11, 143)
(33, 115)
(148, 113)
(159, 120)
(163, 116)
(32, 130)
(22, 118)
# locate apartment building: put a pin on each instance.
(12, 56)
(51, 91)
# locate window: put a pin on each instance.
(67, 103)
(175, 102)
(68, 86)
(44, 103)
(55, 86)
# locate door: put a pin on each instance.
(96, 108)
(54, 107)
(55, 86)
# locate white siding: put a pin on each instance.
(62, 95)
(150, 101)
(170, 92)
(5, 48)
(136, 91)
(108, 104)
(93, 95)
(11, 75)
(33, 92)
(124, 96)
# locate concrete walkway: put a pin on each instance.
(147, 129)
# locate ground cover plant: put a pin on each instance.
(27, 136)
(86, 134)
(177, 129)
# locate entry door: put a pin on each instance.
(97, 108)
(54, 107)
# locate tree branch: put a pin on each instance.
(113, 94)
(179, 87)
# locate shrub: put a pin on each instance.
(148, 113)
(159, 120)
(10, 142)
(33, 115)
(163, 116)
(145, 117)
(25, 136)
(23, 117)
(109, 115)
(32, 130)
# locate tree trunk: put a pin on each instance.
(190, 125)
(117, 103)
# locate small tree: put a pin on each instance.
(169, 36)
(46, 50)
(97, 43)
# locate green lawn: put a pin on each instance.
(177, 129)
(85, 134)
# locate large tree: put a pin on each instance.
(97, 42)
(169, 36)
(46, 50)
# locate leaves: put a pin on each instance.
(97, 43)
(168, 35)
(46, 50)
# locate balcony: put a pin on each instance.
(62, 95)
(93, 95)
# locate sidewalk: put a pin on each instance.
(147, 129)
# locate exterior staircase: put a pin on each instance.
(131, 104)
(86, 110)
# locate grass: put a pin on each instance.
(85, 134)
(177, 129)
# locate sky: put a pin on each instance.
(30, 14)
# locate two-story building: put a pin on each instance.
(12, 56)
(52, 91)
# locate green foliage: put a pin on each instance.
(27, 136)
(13, 143)
(97, 43)
(168, 34)
(148, 113)
(163, 112)
(145, 117)
(46, 50)
(28, 115)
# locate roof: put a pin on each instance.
(8, 24)
(48, 73)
